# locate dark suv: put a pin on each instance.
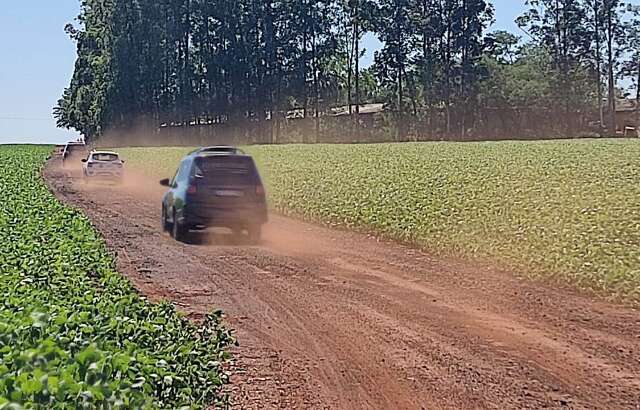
(215, 187)
(74, 152)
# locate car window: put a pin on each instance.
(105, 157)
(223, 170)
(183, 173)
(175, 178)
(75, 148)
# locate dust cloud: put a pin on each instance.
(140, 187)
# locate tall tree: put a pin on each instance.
(560, 26)
(474, 16)
(631, 63)
(84, 104)
(394, 27)
(596, 8)
(613, 35)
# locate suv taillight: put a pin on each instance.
(192, 189)
(260, 190)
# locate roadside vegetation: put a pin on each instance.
(565, 210)
(73, 332)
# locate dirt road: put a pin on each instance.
(329, 319)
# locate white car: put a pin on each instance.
(104, 165)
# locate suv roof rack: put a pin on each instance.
(220, 149)
(103, 151)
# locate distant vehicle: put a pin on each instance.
(73, 151)
(59, 149)
(215, 187)
(103, 165)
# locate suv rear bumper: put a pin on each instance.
(226, 218)
(104, 174)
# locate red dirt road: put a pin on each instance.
(337, 320)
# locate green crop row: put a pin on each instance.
(565, 210)
(73, 332)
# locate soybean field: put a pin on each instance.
(566, 211)
(73, 332)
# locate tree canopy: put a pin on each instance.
(249, 62)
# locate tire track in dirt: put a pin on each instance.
(330, 319)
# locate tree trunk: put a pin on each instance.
(276, 136)
(187, 62)
(596, 13)
(271, 73)
(356, 36)
(447, 79)
(349, 72)
(316, 88)
(305, 92)
(638, 100)
(427, 71)
(562, 63)
(612, 86)
(400, 126)
(463, 79)
(303, 74)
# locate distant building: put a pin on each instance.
(627, 117)
(365, 110)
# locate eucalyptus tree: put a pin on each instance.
(395, 29)
(613, 29)
(595, 23)
(631, 62)
(473, 17)
(84, 104)
(560, 26)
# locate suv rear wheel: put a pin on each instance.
(178, 232)
(236, 231)
(255, 234)
(166, 226)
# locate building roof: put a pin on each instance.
(364, 109)
(298, 113)
(626, 105)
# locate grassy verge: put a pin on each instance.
(73, 332)
(567, 210)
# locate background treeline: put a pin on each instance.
(273, 71)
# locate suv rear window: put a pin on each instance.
(227, 170)
(75, 149)
(105, 157)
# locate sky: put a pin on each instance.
(37, 58)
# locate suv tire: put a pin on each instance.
(178, 232)
(255, 234)
(166, 226)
